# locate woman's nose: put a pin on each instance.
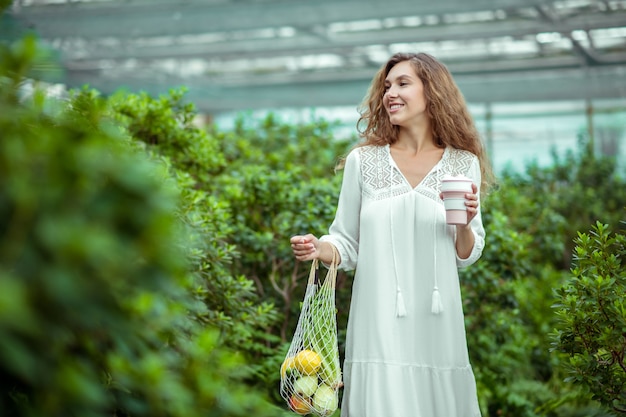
(391, 92)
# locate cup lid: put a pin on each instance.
(461, 177)
(456, 183)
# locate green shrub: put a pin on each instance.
(98, 310)
(500, 343)
(591, 308)
(530, 219)
(559, 200)
(281, 181)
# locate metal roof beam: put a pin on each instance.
(145, 19)
(307, 44)
(548, 85)
(486, 65)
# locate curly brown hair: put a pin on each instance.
(452, 124)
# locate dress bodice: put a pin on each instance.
(383, 179)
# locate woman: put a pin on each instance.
(406, 350)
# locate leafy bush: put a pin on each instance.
(557, 201)
(530, 219)
(280, 182)
(269, 181)
(496, 334)
(591, 309)
(234, 303)
(97, 306)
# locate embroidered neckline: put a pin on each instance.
(432, 171)
(382, 178)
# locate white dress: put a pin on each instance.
(403, 360)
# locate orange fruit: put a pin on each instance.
(298, 405)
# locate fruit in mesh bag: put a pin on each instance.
(288, 367)
(325, 400)
(322, 337)
(305, 385)
(299, 405)
(307, 362)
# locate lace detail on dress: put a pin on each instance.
(458, 162)
(380, 180)
(453, 162)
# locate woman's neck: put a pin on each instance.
(416, 139)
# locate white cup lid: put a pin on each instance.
(456, 183)
(461, 177)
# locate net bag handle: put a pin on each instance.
(331, 277)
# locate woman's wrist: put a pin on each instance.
(326, 252)
(464, 240)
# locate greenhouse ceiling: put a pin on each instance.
(250, 54)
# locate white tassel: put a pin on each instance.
(400, 307)
(437, 305)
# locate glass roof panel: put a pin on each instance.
(246, 44)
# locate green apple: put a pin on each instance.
(305, 385)
(325, 400)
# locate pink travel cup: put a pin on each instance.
(453, 190)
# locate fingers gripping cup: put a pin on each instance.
(453, 190)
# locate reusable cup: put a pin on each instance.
(453, 189)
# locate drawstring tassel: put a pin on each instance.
(437, 305)
(400, 307)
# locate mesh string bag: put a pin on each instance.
(310, 376)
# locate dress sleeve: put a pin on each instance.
(344, 230)
(477, 223)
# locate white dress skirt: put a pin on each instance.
(402, 359)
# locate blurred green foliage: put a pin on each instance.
(248, 190)
(146, 269)
(531, 219)
(98, 306)
(164, 127)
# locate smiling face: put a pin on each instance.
(404, 95)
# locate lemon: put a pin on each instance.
(308, 362)
(287, 367)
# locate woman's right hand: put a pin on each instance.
(305, 248)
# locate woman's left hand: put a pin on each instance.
(471, 202)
